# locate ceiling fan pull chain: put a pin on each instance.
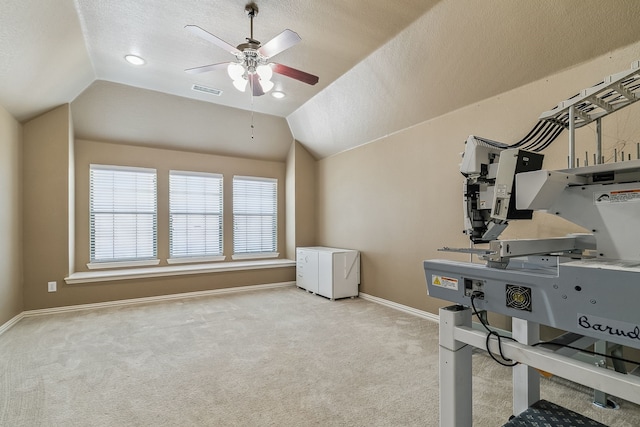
(251, 108)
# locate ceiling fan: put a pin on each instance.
(252, 59)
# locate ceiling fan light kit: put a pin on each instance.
(240, 75)
(252, 64)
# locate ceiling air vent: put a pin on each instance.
(208, 90)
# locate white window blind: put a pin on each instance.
(123, 213)
(255, 215)
(195, 214)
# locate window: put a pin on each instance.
(255, 216)
(195, 215)
(122, 214)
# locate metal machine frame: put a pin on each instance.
(457, 339)
(585, 284)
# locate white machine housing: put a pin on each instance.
(489, 169)
(604, 199)
(552, 281)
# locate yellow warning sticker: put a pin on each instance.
(444, 282)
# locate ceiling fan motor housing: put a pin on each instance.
(250, 56)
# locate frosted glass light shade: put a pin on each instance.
(235, 71)
(240, 84)
(265, 73)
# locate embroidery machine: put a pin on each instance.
(585, 284)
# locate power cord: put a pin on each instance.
(510, 362)
(504, 361)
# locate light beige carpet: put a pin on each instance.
(279, 357)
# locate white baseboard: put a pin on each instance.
(404, 308)
(31, 313)
(66, 309)
(125, 302)
(5, 327)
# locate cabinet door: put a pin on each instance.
(307, 269)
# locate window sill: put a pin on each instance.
(173, 270)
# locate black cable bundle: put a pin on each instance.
(546, 131)
(505, 361)
(491, 333)
(538, 138)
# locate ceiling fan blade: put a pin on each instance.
(195, 30)
(256, 87)
(307, 78)
(207, 68)
(281, 42)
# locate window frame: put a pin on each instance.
(238, 212)
(201, 256)
(116, 262)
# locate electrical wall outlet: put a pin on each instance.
(52, 286)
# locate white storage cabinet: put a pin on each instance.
(331, 272)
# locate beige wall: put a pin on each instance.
(91, 152)
(290, 187)
(47, 144)
(301, 199)
(11, 301)
(56, 206)
(306, 209)
(399, 199)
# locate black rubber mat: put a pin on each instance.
(547, 414)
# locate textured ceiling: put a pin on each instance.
(44, 61)
(335, 34)
(459, 53)
(383, 66)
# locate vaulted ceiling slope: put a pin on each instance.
(383, 66)
(458, 53)
(43, 58)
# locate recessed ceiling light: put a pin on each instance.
(135, 60)
(277, 94)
